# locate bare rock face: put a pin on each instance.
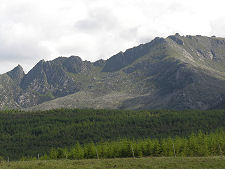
(17, 74)
(50, 79)
(123, 59)
(99, 63)
(74, 64)
(176, 38)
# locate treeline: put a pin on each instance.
(31, 133)
(200, 144)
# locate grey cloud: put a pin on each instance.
(129, 34)
(25, 51)
(218, 27)
(176, 6)
(143, 40)
(6, 66)
(97, 20)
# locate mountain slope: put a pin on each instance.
(182, 79)
(9, 91)
(177, 72)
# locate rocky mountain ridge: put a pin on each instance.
(177, 72)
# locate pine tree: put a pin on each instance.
(53, 154)
(90, 151)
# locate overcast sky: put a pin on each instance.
(31, 30)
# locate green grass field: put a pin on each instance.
(122, 163)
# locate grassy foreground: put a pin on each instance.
(122, 163)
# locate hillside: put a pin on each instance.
(177, 72)
(29, 133)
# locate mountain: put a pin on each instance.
(177, 72)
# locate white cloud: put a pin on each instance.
(93, 29)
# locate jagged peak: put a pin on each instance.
(17, 73)
(42, 61)
(75, 57)
(176, 38)
(157, 40)
(18, 68)
(99, 63)
(122, 59)
(62, 59)
(40, 64)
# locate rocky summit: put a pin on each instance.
(177, 72)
